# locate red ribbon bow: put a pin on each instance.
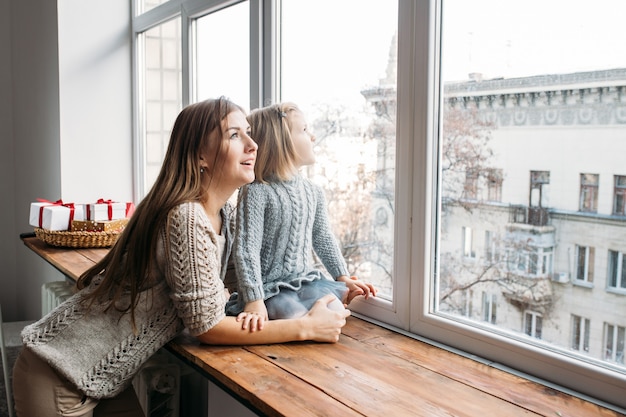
(56, 203)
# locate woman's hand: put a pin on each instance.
(322, 324)
(253, 316)
(357, 287)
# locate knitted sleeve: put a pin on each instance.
(248, 240)
(324, 242)
(194, 268)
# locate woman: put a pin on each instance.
(164, 274)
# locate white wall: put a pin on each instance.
(69, 129)
(95, 100)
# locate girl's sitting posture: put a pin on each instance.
(282, 217)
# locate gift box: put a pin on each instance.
(55, 216)
(103, 210)
(98, 226)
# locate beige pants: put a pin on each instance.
(40, 392)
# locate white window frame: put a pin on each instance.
(535, 320)
(467, 243)
(413, 308)
(489, 307)
(615, 274)
(589, 254)
(615, 334)
(418, 93)
(580, 337)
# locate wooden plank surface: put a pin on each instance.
(372, 371)
(70, 262)
(530, 395)
(259, 383)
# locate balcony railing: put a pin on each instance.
(534, 216)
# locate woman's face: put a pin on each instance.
(302, 139)
(235, 167)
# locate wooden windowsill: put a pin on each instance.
(371, 371)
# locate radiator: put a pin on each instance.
(53, 294)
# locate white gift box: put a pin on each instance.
(107, 210)
(55, 216)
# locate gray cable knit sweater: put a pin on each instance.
(279, 224)
(98, 351)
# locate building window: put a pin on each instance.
(580, 333)
(533, 323)
(470, 189)
(491, 247)
(489, 307)
(589, 193)
(468, 243)
(494, 185)
(538, 181)
(532, 262)
(619, 200)
(614, 337)
(584, 263)
(617, 270)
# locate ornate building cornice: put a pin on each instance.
(584, 98)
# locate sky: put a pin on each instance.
(501, 38)
(333, 49)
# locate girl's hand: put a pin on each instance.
(253, 316)
(357, 287)
(322, 324)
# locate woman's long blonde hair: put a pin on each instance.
(271, 129)
(127, 266)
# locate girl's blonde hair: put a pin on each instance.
(128, 265)
(271, 129)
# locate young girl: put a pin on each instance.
(281, 219)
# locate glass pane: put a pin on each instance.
(143, 6)
(223, 55)
(343, 76)
(162, 99)
(543, 103)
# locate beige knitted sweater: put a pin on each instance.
(98, 351)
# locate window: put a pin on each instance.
(162, 93)
(468, 243)
(532, 262)
(489, 307)
(471, 184)
(509, 114)
(589, 193)
(580, 333)
(533, 323)
(491, 247)
(617, 270)
(619, 201)
(494, 184)
(584, 264)
(406, 101)
(614, 337)
(220, 71)
(345, 82)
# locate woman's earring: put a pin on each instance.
(201, 170)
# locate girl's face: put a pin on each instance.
(302, 139)
(235, 166)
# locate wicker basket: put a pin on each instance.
(68, 239)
